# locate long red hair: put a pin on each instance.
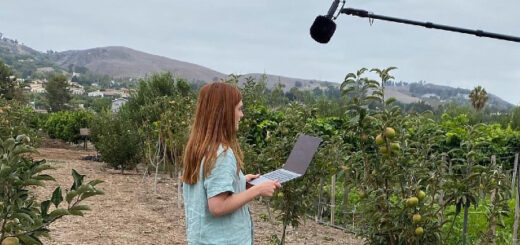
(214, 125)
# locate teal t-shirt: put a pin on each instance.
(201, 226)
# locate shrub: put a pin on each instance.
(116, 140)
(23, 217)
(65, 125)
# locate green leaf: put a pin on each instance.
(93, 193)
(78, 179)
(80, 208)
(44, 177)
(45, 207)
(32, 182)
(57, 197)
(59, 212)
(76, 212)
(30, 240)
(5, 171)
(23, 216)
(70, 195)
(42, 167)
(95, 182)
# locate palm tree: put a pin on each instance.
(478, 97)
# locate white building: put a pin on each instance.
(77, 91)
(37, 88)
(95, 94)
(117, 103)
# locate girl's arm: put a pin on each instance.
(227, 202)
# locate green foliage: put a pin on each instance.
(58, 93)
(9, 87)
(16, 119)
(101, 104)
(65, 125)
(160, 111)
(21, 215)
(116, 141)
(446, 157)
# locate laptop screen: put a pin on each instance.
(302, 153)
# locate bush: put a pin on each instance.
(17, 119)
(21, 215)
(65, 125)
(116, 140)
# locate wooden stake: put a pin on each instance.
(492, 225)
(332, 199)
(517, 205)
(514, 173)
(179, 190)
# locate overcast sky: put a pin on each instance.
(273, 36)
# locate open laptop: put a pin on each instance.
(297, 163)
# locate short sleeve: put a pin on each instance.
(222, 176)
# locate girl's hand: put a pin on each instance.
(250, 177)
(267, 188)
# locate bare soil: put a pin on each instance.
(131, 213)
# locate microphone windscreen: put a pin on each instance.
(322, 29)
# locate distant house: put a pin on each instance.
(95, 94)
(111, 93)
(78, 91)
(117, 103)
(37, 88)
(430, 96)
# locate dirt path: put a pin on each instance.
(130, 212)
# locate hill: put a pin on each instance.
(435, 95)
(123, 62)
(24, 60)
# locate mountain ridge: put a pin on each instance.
(124, 62)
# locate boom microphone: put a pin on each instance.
(323, 27)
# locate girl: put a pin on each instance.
(215, 193)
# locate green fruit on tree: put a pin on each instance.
(419, 231)
(395, 146)
(285, 131)
(412, 201)
(416, 218)
(364, 137)
(386, 155)
(280, 195)
(383, 149)
(449, 137)
(421, 195)
(374, 173)
(10, 241)
(362, 194)
(481, 186)
(390, 132)
(379, 139)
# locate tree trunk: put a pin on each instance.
(282, 241)
(465, 228)
(345, 199)
(318, 218)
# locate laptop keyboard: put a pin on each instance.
(281, 175)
